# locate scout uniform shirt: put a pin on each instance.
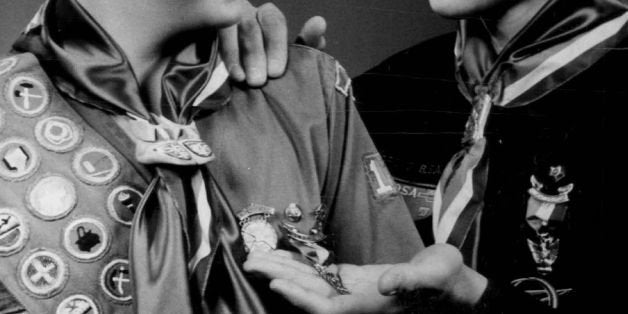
(88, 221)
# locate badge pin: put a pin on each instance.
(19, 159)
(86, 239)
(43, 273)
(293, 212)
(115, 280)
(58, 134)
(256, 232)
(28, 96)
(7, 65)
(95, 166)
(77, 304)
(122, 204)
(13, 232)
(51, 197)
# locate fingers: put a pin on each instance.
(275, 31)
(230, 53)
(313, 33)
(435, 267)
(251, 48)
(301, 297)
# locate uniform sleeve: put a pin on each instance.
(369, 222)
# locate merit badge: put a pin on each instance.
(122, 204)
(77, 304)
(13, 232)
(7, 64)
(28, 96)
(198, 147)
(115, 280)
(51, 197)
(293, 212)
(95, 166)
(19, 159)
(381, 182)
(256, 232)
(43, 273)
(58, 134)
(86, 239)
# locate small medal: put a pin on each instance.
(256, 232)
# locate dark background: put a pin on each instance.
(360, 32)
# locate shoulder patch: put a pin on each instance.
(382, 183)
(343, 81)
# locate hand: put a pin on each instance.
(302, 286)
(257, 48)
(438, 269)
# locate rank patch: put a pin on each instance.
(43, 273)
(86, 239)
(78, 304)
(115, 280)
(122, 204)
(95, 166)
(51, 198)
(13, 232)
(28, 96)
(18, 159)
(7, 65)
(58, 134)
(382, 183)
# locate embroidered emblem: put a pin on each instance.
(7, 65)
(95, 166)
(86, 239)
(28, 96)
(122, 204)
(58, 134)
(78, 304)
(343, 82)
(115, 280)
(256, 232)
(382, 183)
(19, 159)
(293, 212)
(198, 147)
(173, 149)
(13, 232)
(51, 197)
(43, 273)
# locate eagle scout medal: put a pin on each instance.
(77, 303)
(58, 134)
(256, 232)
(19, 159)
(122, 203)
(13, 232)
(293, 212)
(28, 96)
(95, 166)
(7, 65)
(86, 239)
(51, 197)
(43, 273)
(115, 280)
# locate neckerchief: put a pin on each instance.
(172, 242)
(563, 39)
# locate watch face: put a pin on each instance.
(258, 234)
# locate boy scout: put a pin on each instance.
(136, 177)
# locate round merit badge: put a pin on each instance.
(95, 166)
(43, 273)
(28, 96)
(58, 134)
(7, 65)
(13, 232)
(77, 304)
(86, 239)
(52, 197)
(115, 280)
(122, 203)
(18, 159)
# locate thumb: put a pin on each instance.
(313, 33)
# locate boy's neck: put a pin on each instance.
(505, 25)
